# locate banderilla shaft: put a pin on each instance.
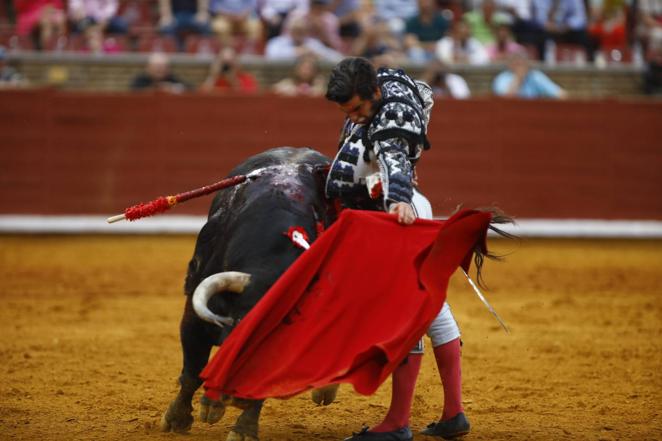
(164, 203)
(485, 302)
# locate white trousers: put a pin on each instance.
(444, 327)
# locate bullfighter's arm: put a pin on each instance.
(395, 170)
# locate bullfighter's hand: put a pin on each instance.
(404, 212)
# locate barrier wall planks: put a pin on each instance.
(81, 153)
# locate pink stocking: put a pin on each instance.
(448, 362)
(404, 382)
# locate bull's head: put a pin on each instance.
(232, 281)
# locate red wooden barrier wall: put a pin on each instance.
(70, 153)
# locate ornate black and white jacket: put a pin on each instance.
(386, 148)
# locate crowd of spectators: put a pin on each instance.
(391, 32)
(453, 31)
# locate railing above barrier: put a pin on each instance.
(80, 71)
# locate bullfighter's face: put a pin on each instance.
(361, 110)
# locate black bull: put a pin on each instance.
(245, 233)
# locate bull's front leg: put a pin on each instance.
(196, 347)
(246, 426)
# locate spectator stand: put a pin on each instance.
(143, 17)
(67, 62)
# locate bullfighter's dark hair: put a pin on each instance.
(352, 76)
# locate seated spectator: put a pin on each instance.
(236, 17)
(94, 19)
(306, 79)
(424, 30)
(101, 13)
(323, 24)
(608, 27)
(349, 17)
(42, 20)
(650, 23)
(157, 76)
(296, 42)
(459, 47)
(10, 78)
(395, 13)
(275, 12)
(514, 10)
(520, 81)
(483, 21)
(179, 17)
(565, 22)
(525, 28)
(225, 75)
(445, 84)
(504, 46)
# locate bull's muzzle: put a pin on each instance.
(232, 281)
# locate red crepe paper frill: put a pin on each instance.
(149, 209)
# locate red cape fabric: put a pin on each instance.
(349, 309)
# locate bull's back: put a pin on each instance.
(281, 155)
(247, 225)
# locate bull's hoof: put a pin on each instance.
(211, 411)
(325, 395)
(177, 418)
(235, 436)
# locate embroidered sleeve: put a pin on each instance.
(425, 91)
(395, 170)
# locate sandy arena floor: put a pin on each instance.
(90, 349)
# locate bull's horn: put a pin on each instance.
(227, 281)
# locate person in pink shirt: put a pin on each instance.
(504, 45)
(41, 19)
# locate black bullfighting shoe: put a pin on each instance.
(403, 434)
(449, 429)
